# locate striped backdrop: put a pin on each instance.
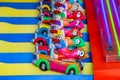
(18, 22)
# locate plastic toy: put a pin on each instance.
(44, 10)
(41, 37)
(75, 42)
(69, 67)
(47, 22)
(78, 42)
(72, 32)
(75, 6)
(42, 49)
(75, 15)
(60, 6)
(73, 1)
(72, 15)
(61, 44)
(44, 5)
(66, 53)
(76, 23)
(42, 25)
(45, 16)
(63, 5)
(55, 34)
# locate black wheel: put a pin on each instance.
(45, 10)
(71, 71)
(41, 43)
(44, 32)
(43, 66)
(81, 65)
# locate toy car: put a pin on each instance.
(78, 42)
(74, 7)
(64, 52)
(45, 16)
(44, 6)
(74, 1)
(42, 50)
(42, 37)
(65, 66)
(77, 22)
(77, 14)
(53, 37)
(72, 32)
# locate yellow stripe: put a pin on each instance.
(16, 47)
(11, 12)
(23, 47)
(84, 11)
(30, 69)
(85, 29)
(18, 0)
(88, 68)
(87, 47)
(11, 28)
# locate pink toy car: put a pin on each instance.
(75, 15)
(66, 53)
(76, 23)
(72, 32)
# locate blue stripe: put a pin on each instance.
(27, 37)
(22, 20)
(84, 21)
(16, 57)
(25, 57)
(19, 5)
(17, 37)
(85, 37)
(19, 20)
(48, 77)
(83, 5)
(24, 5)
(88, 59)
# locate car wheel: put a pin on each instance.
(43, 66)
(45, 10)
(44, 32)
(41, 43)
(71, 71)
(81, 65)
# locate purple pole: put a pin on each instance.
(106, 25)
(115, 17)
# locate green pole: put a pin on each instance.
(113, 26)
